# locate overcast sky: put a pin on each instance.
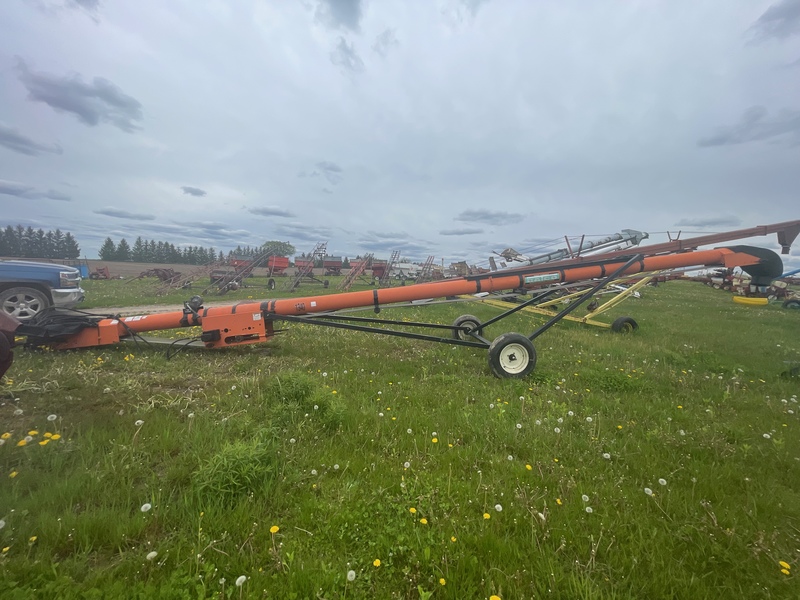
(435, 127)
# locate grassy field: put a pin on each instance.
(335, 464)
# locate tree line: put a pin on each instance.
(151, 251)
(22, 242)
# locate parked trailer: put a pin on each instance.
(332, 265)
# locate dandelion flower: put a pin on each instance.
(588, 419)
(336, 467)
(557, 429)
(241, 578)
(146, 507)
(786, 571)
(376, 562)
(139, 423)
(589, 510)
(56, 436)
(423, 521)
(32, 539)
(606, 455)
(767, 436)
(407, 464)
(412, 510)
(510, 457)
(5, 436)
(33, 432)
(292, 440)
(22, 443)
(558, 501)
(151, 555)
(442, 581)
(52, 417)
(487, 516)
(351, 575)
(498, 507)
(530, 468)
(784, 564)
(585, 498)
(12, 474)
(648, 491)
(28, 438)
(453, 538)
(314, 472)
(571, 414)
(435, 440)
(274, 529)
(662, 481)
(494, 597)
(6, 549)
(409, 431)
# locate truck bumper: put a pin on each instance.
(67, 297)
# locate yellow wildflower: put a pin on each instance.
(6, 435)
(442, 581)
(487, 516)
(784, 564)
(424, 521)
(274, 529)
(453, 538)
(43, 442)
(48, 435)
(22, 443)
(32, 539)
(435, 440)
(558, 501)
(786, 571)
(376, 562)
(494, 597)
(529, 467)
(412, 510)
(56, 436)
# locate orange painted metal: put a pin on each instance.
(250, 322)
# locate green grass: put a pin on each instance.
(312, 432)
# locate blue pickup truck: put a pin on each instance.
(26, 288)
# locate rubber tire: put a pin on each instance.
(271, 284)
(506, 350)
(624, 325)
(792, 303)
(462, 321)
(326, 284)
(11, 298)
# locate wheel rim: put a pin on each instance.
(22, 306)
(626, 328)
(471, 326)
(514, 358)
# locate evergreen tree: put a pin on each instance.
(138, 252)
(123, 253)
(59, 248)
(71, 248)
(108, 251)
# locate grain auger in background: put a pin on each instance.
(510, 354)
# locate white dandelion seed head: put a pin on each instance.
(682, 432)
(571, 414)
(491, 405)
(190, 415)
(521, 398)
(409, 430)
(560, 420)
(316, 407)
(648, 491)
(151, 555)
(510, 457)
(588, 419)
(407, 465)
(498, 507)
(139, 423)
(314, 472)
(2, 441)
(233, 388)
(380, 414)
(558, 387)
(222, 581)
(28, 438)
(434, 434)
(292, 440)
(325, 374)
(767, 436)
(557, 429)
(588, 509)
(146, 507)
(538, 421)
(52, 417)
(336, 467)
(606, 455)
(2, 523)
(519, 425)
(351, 575)
(240, 580)
(585, 498)
(662, 481)
(18, 412)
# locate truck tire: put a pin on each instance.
(23, 303)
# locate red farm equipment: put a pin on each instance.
(332, 265)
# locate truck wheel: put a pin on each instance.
(271, 284)
(512, 356)
(23, 302)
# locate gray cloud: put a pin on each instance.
(95, 102)
(488, 217)
(385, 242)
(327, 191)
(330, 171)
(345, 55)
(14, 140)
(21, 190)
(462, 231)
(124, 214)
(384, 42)
(756, 126)
(90, 5)
(340, 13)
(270, 211)
(193, 191)
(727, 221)
(781, 20)
(304, 232)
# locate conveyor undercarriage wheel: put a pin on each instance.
(512, 356)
